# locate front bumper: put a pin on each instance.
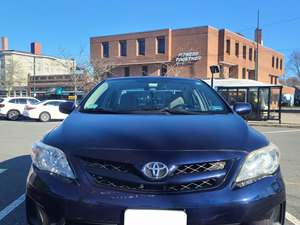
(62, 201)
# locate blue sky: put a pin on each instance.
(68, 24)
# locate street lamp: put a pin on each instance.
(213, 69)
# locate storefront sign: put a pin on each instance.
(185, 58)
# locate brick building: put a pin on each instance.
(188, 52)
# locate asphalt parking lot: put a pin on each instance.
(16, 139)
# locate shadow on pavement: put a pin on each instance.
(13, 179)
(12, 186)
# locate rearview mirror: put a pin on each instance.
(242, 108)
(66, 107)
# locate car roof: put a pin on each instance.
(154, 77)
(54, 100)
(8, 98)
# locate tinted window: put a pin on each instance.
(53, 103)
(1, 100)
(144, 70)
(161, 45)
(141, 46)
(33, 101)
(105, 49)
(154, 95)
(123, 48)
(13, 101)
(126, 71)
(22, 101)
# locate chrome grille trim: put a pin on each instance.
(199, 167)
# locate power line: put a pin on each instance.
(273, 23)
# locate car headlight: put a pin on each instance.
(51, 159)
(259, 164)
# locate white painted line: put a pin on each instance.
(12, 206)
(292, 219)
(2, 170)
(280, 131)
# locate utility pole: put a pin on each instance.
(34, 73)
(75, 81)
(257, 47)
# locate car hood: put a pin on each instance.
(155, 132)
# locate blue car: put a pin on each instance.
(154, 150)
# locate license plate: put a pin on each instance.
(154, 217)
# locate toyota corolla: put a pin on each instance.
(154, 150)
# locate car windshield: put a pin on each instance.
(157, 95)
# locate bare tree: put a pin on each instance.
(294, 63)
(101, 68)
(12, 76)
(93, 71)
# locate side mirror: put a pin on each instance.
(66, 107)
(242, 108)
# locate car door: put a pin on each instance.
(21, 103)
(53, 109)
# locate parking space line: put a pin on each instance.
(292, 218)
(280, 131)
(12, 206)
(2, 170)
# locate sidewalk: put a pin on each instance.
(289, 120)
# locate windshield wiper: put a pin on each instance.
(177, 111)
(101, 110)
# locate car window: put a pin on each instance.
(33, 101)
(13, 100)
(1, 100)
(53, 103)
(22, 101)
(140, 95)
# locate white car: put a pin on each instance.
(13, 107)
(45, 111)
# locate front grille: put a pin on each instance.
(108, 165)
(199, 167)
(193, 186)
(116, 175)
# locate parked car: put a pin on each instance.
(45, 111)
(155, 149)
(13, 107)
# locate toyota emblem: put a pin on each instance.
(156, 170)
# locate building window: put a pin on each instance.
(244, 52)
(255, 55)
(123, 47)
(163, 70)
(161, 45)
(244, 73)
(228, 46)
(250, 54)
(105, 49)
(277, 63)
(144, 70)
(273, 61)
(126, 71)
(141, 46)
(271, 79)
(237, 49)
(281, 66)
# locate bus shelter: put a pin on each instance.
(264, 98)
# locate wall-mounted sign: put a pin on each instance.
(185, 58)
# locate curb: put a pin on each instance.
(283, 125)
